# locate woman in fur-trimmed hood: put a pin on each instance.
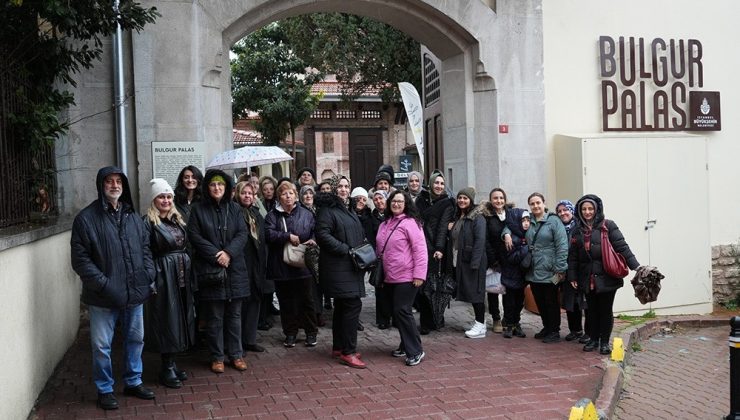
(467, 257)
(585, 269)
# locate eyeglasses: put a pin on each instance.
(398, 201)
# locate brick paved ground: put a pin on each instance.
(683, 374)
(460, 378)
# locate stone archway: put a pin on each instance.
(182, 81)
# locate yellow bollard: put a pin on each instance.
(583, 410)
(618, 350)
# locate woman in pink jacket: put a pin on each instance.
(403, 248)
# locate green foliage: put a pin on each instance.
(268, 78)
(636, 347)
(44, 44)
(363, 53)
(637, 319)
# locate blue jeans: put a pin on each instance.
(102, 326)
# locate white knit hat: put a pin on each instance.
(359, 191)
(160, 186)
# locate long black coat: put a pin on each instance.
(299, 222)
(582, 264)
(256, 254)
(207, 221)
(169, 316)
(338, 230)
(114, 262)
(472, 262)
(435, 215)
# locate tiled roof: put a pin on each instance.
(335, 88)
(246, 137)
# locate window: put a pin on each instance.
(345, 114)
(431, 82)
(321, 114)
(327, 140)
(370, 114)
(27, 174)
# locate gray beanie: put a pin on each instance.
(468, 192)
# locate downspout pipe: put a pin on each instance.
(118, 92)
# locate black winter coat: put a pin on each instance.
(435, 216)
(112, 259)
(372, 225)
(169, 315)
(208, 220)
(512, 273)
(472, 262)
(300, 222)
(338, 230)
(256, 254)
(495, 248)
(584, 265)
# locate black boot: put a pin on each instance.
(517, 331)
(181, 374)
(167, 375)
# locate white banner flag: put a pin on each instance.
(415, 114)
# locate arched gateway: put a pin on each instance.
(491, 62)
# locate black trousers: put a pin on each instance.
(513, 302)
(493, 308)
(296, 306)
(546, 297)
(345, 320)
(426, 319)
(224, 328)
(479, 310)
(600, 315)
(250, 317)
(383, 305)
(575, 319)
(403, 295)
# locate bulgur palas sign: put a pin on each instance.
(647, 85)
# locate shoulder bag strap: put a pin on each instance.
(389, 237)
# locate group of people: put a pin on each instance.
(212, 253)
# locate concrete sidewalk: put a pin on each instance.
(492, 377)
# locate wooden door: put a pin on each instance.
(365, 155)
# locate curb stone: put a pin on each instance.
(613, 379)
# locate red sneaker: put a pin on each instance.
(352, 361)
(336, 353)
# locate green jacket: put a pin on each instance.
(549, 250)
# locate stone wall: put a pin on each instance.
(726, 272)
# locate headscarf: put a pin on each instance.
(572, 209)
(435, 173)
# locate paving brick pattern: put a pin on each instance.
(459, 378)
(683, 374)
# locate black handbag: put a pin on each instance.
(363, 256)
(209, 275)
(377, 277)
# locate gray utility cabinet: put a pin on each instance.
(655, 187)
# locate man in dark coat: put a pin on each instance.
(110, 252)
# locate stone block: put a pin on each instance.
(728, 251)
(724, 261)
(715, 252)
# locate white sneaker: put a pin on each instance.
(477, 331)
